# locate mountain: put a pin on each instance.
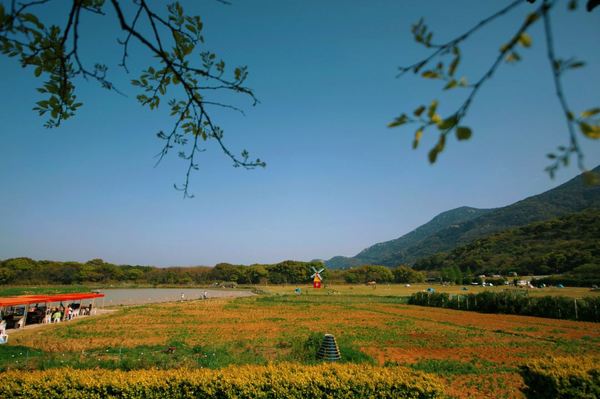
(385, 253)
(555, 246)
(462, 225)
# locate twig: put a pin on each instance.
(556, 76)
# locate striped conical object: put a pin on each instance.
(329, 349)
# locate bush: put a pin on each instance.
(565, 377)
(285, 381)
(514, 302)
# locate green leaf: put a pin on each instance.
(433, 155)
(590, 131)
(590, 112)
(418, 135)
(439, 147)
(38, 71)
(419, 110)
(451, 84)
(453, 65)
(513, 56)
(432, 108)
(575, 65)
(191, 28)
(525, 39)
(401, 120)
(448, 123)
(430, 75)
(463, 133)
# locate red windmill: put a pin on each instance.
(317, 279)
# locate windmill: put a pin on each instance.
(316, 276)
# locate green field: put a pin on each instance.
(402, 290)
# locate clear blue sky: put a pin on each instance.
(337, 181)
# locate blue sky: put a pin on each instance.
(337, 180)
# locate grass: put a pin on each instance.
(445, 367)
(400, 290)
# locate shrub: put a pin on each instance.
(285, 381)
(564, 377)
(514, 302)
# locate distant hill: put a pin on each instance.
(386, 253)
(555, 246)
(462, 225)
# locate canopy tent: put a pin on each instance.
(37, 316)
(29, 299)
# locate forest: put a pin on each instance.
(97, 271)
(562, 245)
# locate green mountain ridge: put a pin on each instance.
(462, 225)
(556, 246)
(385, 252)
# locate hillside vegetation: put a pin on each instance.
(566, 244)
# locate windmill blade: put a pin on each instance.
(313, 275)
(313, 269)
(320, 271)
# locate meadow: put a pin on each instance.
(402, 290)
(476, 355)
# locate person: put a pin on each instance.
(48, 318)
(205, 295)
(2, 327)
(56, 316)
(182, 297)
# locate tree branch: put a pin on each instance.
(556, 76)
(441, 49)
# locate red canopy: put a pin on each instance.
(29, 299)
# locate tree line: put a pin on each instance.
(97, 271)
(514, 302)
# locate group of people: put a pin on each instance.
(60, 313)
(40, 314)
(204, 296)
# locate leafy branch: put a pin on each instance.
(175, 41)
(446, 72)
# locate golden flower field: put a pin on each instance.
(474, 354)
